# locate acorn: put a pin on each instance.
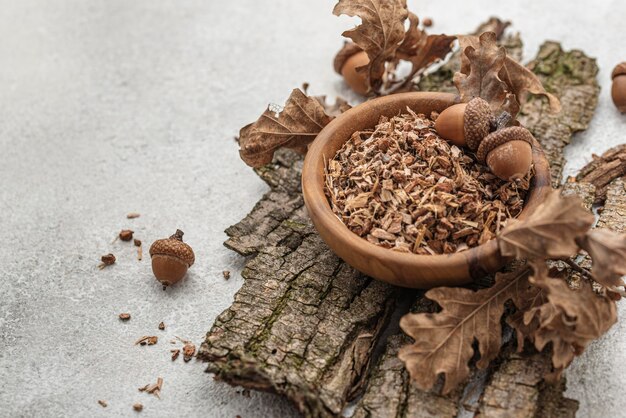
(507, 152)
(465, 124)
(347, 60)
(171, 258)
(618, 89)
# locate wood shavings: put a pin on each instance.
(147, 340)
(402, 187)
(154, 388)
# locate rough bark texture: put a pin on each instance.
(613, 215)
(603, 170)
(571, 76)
(304, 324)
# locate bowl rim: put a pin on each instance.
(343, 241)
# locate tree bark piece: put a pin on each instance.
(613, 215)
(304, 323)
(601, 171)
(571, 76)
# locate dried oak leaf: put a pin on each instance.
(533, 298)
(570, 319)
(380, 33)
(487, 72)
(608, 252)
(481, 63)
(422, 49)
(444, 340)
(297, 125)
(549, 232)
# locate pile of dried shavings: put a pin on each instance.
(403, 187)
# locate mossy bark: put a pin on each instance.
(305, 324)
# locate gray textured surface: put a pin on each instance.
(113, 106)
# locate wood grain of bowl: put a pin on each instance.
(402, 269)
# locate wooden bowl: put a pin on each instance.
(402, 269)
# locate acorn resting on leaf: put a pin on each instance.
(465, 124)
(171, 258)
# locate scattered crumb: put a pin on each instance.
(133, 215)
(154, 388)
(138, 407)
(172, 341)
(226, 274)
(139, 253)
(246, 393)
(103, 404)
(175, 353)
(107, 260)
(137, 242)
(161, 326)
(147, 340)
(427, 22)
(188, 351)
(126, 234)
(124, 316)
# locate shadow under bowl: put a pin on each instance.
(401, 269)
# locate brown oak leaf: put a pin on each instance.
(570, 319)
(608, 252)
(481, 63)
(294, 127)
(379, 34)
(444, 340)
(421, 49)
(509, 81)
(549, 232)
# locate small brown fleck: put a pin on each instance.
(126, 234)
(147, 340)
(226, 274)
(124, 316)
(138, 407)
(246, 393)
(153, 388)
(103, 404)
(188, 351)
(133, 215)
(161, 326)
(107, 260)
(427, 22)
(175, 353)
(137, 242)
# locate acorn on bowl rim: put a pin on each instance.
(402, 269)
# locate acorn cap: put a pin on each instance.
(348, 50)
(497, 138)
(174, 247)
(620, 69)
(476, 122)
